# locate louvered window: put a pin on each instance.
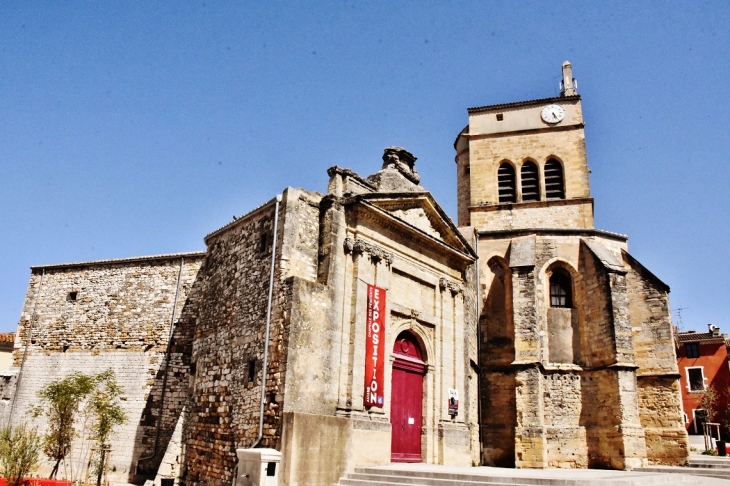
(554, 188)
(530, 182)
(506, 183)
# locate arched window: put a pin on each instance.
(506, 183)
(561, 294)
(530, 182)
(554, 187)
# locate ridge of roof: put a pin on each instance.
(516, 104)
(168, 256)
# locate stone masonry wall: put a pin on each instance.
(229, 336)
(487, 153)
(120, 319)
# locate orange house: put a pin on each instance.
(703, 363)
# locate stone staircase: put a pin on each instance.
(699, 465)
(432, 475)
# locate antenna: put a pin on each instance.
(680, 324)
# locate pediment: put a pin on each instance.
(420, 212)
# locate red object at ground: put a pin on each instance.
(38, 482)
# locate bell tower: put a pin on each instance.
(523, 165)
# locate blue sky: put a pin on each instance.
(135, 128)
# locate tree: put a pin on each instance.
(20, 450)
(61, 400)
(709, 402)
(107, 413)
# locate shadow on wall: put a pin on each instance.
(499, 415)
(167, 397)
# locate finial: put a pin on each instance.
(568, 86)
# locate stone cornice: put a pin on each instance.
(368, 212)
(454, 287)
(194, 255)
(511, 233)
(376, 253)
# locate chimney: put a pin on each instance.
(714, 330)
(568, 86)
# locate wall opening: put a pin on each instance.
(530, 178)
(554, 184)
(506, 183)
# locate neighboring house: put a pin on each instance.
(703, 363)
(7, 342)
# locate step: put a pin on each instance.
(382, 476)
(354, 479)
(693, 471)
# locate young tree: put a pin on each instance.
(709, 402)
(107, 413)
(20, 450)
(61, 400)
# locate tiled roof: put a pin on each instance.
(698, 336)
(523, 103)
(169, 256)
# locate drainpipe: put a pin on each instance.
(268, 327)
(479, 344)
(167, 364)
(27, 344)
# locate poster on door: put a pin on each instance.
(375, 347)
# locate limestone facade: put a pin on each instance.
(555, 342)
(577, 356)
(193, 391)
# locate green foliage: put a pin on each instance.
(709, 402)
(63, 400)
(709, 452)
(60, 402)
(107, 413)
(20, 450)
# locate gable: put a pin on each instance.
(419, 213)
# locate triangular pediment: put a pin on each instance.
(422, 213)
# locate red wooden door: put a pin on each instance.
(406, 403)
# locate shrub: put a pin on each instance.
(20, 450)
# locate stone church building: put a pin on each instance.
(362, 326)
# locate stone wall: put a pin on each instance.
(486, 154)
(565, 213)
(100, 315)
(230, 333)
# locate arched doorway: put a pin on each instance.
(406, 403)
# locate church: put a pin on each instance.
(363, 326)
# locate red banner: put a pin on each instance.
(375, 348)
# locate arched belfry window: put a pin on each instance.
(554, 185)
(506, 183)
(530, 182)
(561, 289)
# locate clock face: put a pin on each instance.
(552, 113)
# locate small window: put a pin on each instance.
(506, 183)
(500, 116)
(560, 289)
(692, 350)
(696, 379)
(467, 170)
(530, 182)
(554, 187)
(251, 370)
(71, 297)
(265, 241)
